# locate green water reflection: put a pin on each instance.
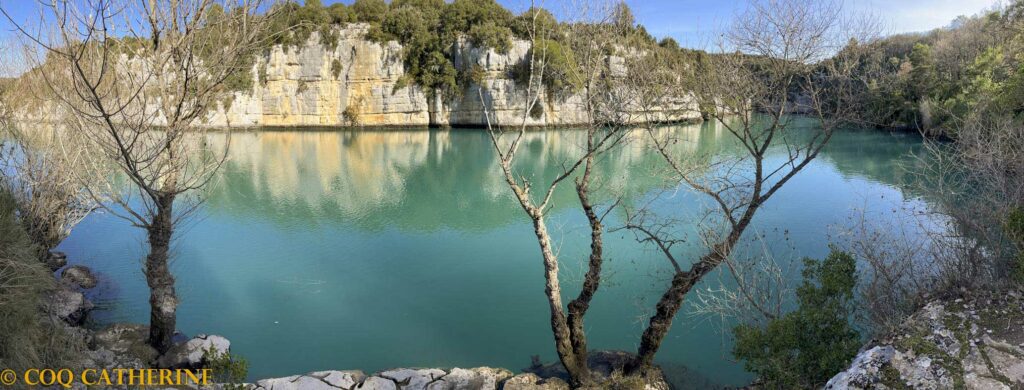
(378, 249)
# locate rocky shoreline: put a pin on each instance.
(967, 343)
(118, 345)
(480, 378)
(605, 364)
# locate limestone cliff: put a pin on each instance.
(353, 83)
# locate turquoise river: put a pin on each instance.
(378, 249)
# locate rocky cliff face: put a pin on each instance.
(354, 83)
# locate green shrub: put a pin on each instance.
(335, 68)
(545, 23)
(485, 22)
(669, 43)
(341, 14)
(228, 369)
(491, 35)
(351, 113)
(559, 63)
(370, 11)
(806, 347)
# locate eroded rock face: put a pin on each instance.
(78, 276)
(190, 354)
(974, 344)
(354, 83)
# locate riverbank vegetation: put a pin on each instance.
(28, 338)
(961, 83)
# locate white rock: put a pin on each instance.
(530, 381)
(411, 379)
(864, 370)
(483, 378)
(68, 305)
(377, 383)
(190, 353)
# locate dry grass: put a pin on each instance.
(28, 339)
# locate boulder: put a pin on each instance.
(190, 354)
(127, 341)
(377, 383)
(482, 378)
(326, 380)
(864, 371)
(410, 379)
(530, 381)
(78, 276)
(68, 305)
(55, 260)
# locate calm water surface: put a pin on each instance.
(372, 250)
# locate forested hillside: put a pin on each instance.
(939, 80)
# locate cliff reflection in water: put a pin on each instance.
(423, 179)
(430, 179)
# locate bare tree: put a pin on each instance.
(42, 174)
(603, 97)
(135, 77)
(40, 170)
(773, 65)
(898, 266)
(751, 289)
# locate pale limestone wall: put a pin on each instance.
(302, 89)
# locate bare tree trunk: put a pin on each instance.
(563, 336)
(682, 282)
(163, 300)
(592, 280)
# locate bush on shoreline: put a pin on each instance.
(806, 347)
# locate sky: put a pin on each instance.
(690, 22)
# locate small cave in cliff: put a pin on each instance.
(537, 111)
